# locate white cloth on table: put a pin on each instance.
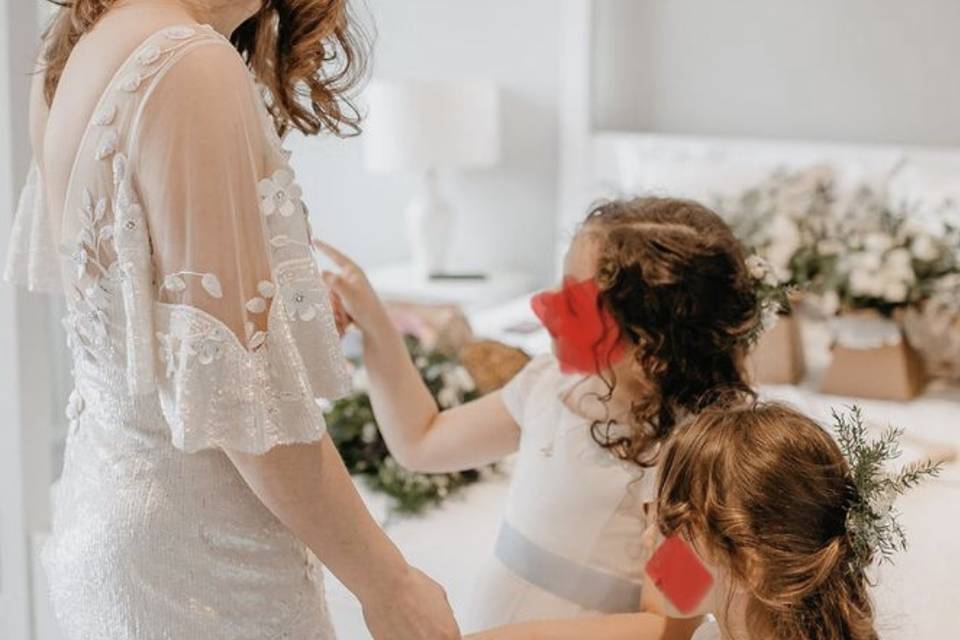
(570, 498)
(197, 322)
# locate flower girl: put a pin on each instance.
(653, 317)
(763, 521)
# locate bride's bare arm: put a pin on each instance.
(308, 488)
(419, 436)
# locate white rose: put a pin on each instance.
(759, 268)
(867, 261)
(369, 433)
(360, 380)
(866, 284)
(924, 248)
(830, 247)
(464, 379)
(830, 302)
(895, 292)
(785, 241)
(447, 397)
(878, 242)
(900, 257)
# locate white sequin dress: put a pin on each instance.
(197, 322)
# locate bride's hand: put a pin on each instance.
(415, 609)
(360, 302)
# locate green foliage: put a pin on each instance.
(872, 524)
(354, 430)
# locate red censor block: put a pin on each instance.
(585, 335)
(679, 574)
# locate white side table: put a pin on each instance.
(400, 283)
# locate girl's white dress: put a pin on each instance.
(197, 322)
(709, 630)
(570, 544)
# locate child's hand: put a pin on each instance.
(351, 287)
(340, 316)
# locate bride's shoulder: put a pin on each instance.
(196, 56)
(197, 72)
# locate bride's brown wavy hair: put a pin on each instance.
(675, 278)
(307, 55)
(765, 492)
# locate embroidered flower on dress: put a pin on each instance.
(258, 304)
(80, 260)
(131, 82)
(105, 115)
(149, 54)
(255, 337)
(97, 297)
(173, 282)
(108, 145)
(280, 194)
(167, 353)
(208, 349)
(178, 33)
(75, 406)
(298, 302)
(211, 284)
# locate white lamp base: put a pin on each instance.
(430, 225)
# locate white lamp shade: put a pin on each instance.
(429, 125)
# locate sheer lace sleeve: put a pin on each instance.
(32, 259)
(245, 333)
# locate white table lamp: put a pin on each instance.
(424, 127)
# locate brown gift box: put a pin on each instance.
(777, 358)
(893, 372)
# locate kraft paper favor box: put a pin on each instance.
(778, 357)
(891, 372)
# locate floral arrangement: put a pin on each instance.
(886, 259)
(853, 252)
(353, 427)
(784, 220)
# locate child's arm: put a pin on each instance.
(625, 626)
(419, 436)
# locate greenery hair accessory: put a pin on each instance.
(871, 523)
(772, 294)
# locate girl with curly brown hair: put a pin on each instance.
(198, 487)
(651, 321)
(755, 522)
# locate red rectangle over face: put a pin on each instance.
(585, 336)
(679, 574)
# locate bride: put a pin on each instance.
(198, 483)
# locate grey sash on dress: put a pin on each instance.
(590, 588)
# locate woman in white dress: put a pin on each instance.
(198, 483)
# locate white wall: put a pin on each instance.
(882, 71)
(507, 214)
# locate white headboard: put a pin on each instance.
(623, 164)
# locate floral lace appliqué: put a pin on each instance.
(280, 194)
